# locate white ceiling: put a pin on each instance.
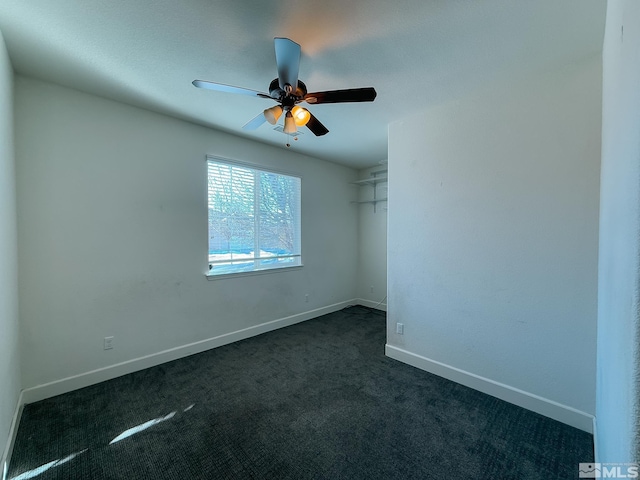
(416, 53)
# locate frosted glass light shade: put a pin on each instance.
(300, 115)
(290, 124)
(273, 114)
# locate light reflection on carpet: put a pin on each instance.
(43, 468)
(127, 433)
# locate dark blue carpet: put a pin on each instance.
(317, 400)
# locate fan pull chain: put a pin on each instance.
(295, 139)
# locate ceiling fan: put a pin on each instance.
(289, 91)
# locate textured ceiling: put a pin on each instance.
(416, 53)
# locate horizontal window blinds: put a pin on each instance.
(254, 218)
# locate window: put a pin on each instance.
(254, 218)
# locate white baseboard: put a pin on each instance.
(372, 304)
(535, 403)
(13, 430)
(58, 387)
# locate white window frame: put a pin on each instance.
(258, 268)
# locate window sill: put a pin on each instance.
(263, 271)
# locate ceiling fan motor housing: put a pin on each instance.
(287, 100)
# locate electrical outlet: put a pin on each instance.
(371, 289)
(400, 328)
(306, 297)
(108, 343)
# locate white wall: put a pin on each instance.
(618, 376)
(113, 234)
(493, 238)
(372, 243)
(9, 356)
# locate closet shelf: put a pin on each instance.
(377, 177)
(371, 181)
(371, 201)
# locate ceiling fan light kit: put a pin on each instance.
(290, 126)
(273, 114)
(282, 90)
(300, 115)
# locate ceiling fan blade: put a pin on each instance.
(317, 128)
(288, 62)
(255, 122)
(367, 94)
(221, 87)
